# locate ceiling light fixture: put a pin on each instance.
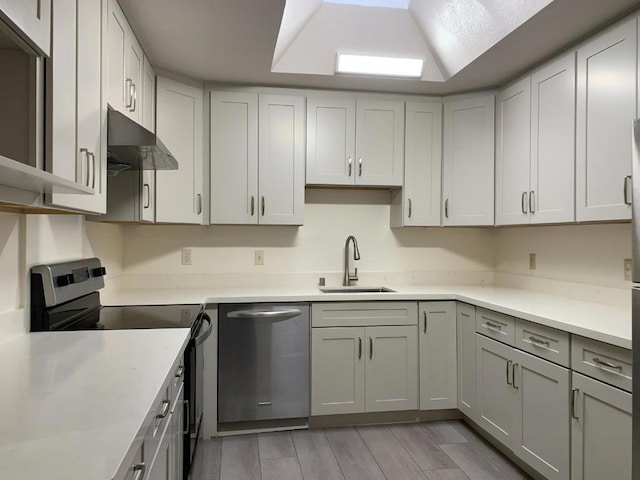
(379, 66)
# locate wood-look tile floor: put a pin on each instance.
(447, 450)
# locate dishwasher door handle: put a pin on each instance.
(275, 315)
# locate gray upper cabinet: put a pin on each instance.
(355, 141)
(32, 18)
(76, 138)
(148, 177)
(605, 111)
(257, 174)
(418, 202)
(468, 161)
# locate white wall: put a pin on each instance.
(224, 255)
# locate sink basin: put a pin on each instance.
(355, 289)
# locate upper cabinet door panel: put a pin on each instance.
(281, 154)
(606, 108)
(512, 153)
(423, 164)
(468, 165)
(234, 158)
(33, 18)
(553, 141)
(179, 116)
(331, 131)
(117, 28)
(379, 142)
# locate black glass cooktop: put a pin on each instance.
(148, 316)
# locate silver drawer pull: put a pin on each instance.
(493, 326)
(602, 363)
(165, 409)
(139, 470)
(537, 341)
(264, 404)
(180, 371)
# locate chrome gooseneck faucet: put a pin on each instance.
(348, 278)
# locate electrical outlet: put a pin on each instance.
(532, 261)
(259, 257)
(186, 256)
(628, 266)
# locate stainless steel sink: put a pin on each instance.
(355, 289)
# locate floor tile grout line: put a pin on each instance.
(372, 455)
(408, 452)
(324, 433)
(296, 457)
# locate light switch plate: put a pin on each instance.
(532, 261)
(259, 257)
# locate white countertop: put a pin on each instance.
(73, 402)
(593, 320)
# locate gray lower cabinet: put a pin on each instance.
(601, 431)
(161, 467)
(523, 402)
(466, 353)
(438, 360)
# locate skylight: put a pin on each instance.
(384, 66)
(401, 4)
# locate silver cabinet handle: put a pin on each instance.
(360, 167)
(409, 208)
(166, 404)
(602, 363)
(262, 206)
(135, 98)
(139, 470)
(425, 322)
(513, 375)
(93, 169)
(129, 93)
(446, 208)
(350, 166)
(199, 211)
(267, 314)
(370, 348)
(79, 163)
(253, 205)
(523, 201)
(493, 326)
(179, 371)
(147, 189)
(538, 342)
(359, 348)
(532, 201)
(186, 420)
(625, 187)
(574, 403)
(509, 362)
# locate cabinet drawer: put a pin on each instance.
(363, 314)
(161, 414)
(602, 361)
(133, 463)
(545, 342)
(495, 325)
(177, 378)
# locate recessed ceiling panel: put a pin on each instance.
(403, 4)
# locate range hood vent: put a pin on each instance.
(132, 147)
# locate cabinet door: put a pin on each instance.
(513, 153)
(392, 369)
(553, 100)
(468, 162)
(438, 361)
(281, 157)
(600, 431)
(379, 142)
(161, 468)
(234, 158)
(418, 202)
(179, 123)
(134, 76)
(337, 370)
(331, 133)
(541, 436)
(498, 408)
(117, 29)
(33, 18)
(148, 201)
(177, 443)
(606, 107)
(466, 349)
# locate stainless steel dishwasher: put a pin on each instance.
(263, 362)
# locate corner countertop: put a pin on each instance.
(606, 323)
(75, 401)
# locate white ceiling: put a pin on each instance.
(233, 41)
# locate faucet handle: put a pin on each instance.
(354, 277)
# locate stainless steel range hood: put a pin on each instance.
(132, 147)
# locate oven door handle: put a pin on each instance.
(200, 339)
(274, 315)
